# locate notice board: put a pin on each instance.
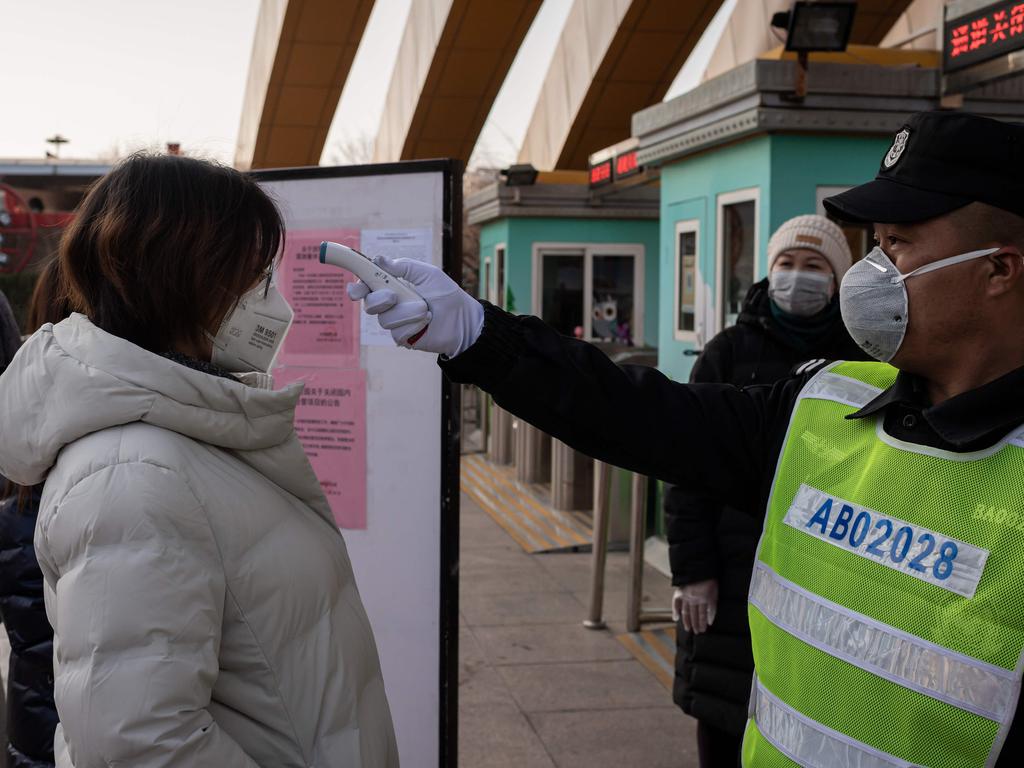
(380, 423)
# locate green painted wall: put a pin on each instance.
(688, 191)
(520, 234)
(801, 164)
(787, 169)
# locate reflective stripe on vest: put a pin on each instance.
(886, 651)
(885, 608)
(809, 743)
(840, 389)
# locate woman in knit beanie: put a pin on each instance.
(807, 258)
(787, 319)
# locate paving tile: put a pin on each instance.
(479, 683)
(526, 664)
(498, 571)
(469, 648)
(547, 643)
(482, 610)
(574, 571)
(662, 737)
(499, 736)
(594, 685)
(477, 529)
(498, 557)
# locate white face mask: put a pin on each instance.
(800, 292)
(252, 334)
(874, 303)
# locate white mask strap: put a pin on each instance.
(949, 262)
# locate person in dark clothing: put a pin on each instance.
(10, 340)
(787, 319)
(10, 334)
(31, 712)
(885, 611)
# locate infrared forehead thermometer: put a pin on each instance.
(362, 266)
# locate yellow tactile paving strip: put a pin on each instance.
(534, 526)
(655, 649)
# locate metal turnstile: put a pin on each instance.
(499, 445)
(635, 615)
(532, 453)
(572, 478)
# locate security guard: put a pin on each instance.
(886, 605)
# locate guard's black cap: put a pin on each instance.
(938, 162)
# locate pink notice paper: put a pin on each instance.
(330, 421)
(325, 331)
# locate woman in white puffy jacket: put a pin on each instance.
(204, 607)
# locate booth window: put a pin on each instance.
(737, 251)
(860, 237)
(499, 278)
(593, 292)
(687, 234)
(488, 293)
(562, 281)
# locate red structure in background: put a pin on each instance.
(20, 229)
(17, 231)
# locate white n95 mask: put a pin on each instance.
(800, 292)
(874, 303)
(252, 334)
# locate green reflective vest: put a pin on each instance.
(887, 600)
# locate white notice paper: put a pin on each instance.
(396, 244)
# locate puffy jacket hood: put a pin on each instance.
(72, 379)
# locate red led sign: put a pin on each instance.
(985, 34)
(626, 165)
(601, 173)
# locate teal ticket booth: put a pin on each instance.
(739, 155)
(587, 261)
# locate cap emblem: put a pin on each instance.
(896, 150)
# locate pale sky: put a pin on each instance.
(128, 73)
(124, 74)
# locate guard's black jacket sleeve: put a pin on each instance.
(716, 437)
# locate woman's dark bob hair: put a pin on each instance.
(162, 247)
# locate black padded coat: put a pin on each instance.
(31, 714)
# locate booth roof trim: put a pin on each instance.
(578, 201)
(841, 98)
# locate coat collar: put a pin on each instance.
(72, 379)
(980, 416)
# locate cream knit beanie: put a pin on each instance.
(815, 233)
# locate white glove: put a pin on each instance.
(454, 318)
(696, 604)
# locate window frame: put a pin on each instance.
(745, 195)
(866, 229)
(686, 226)
(589, 251)
(500, 276)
